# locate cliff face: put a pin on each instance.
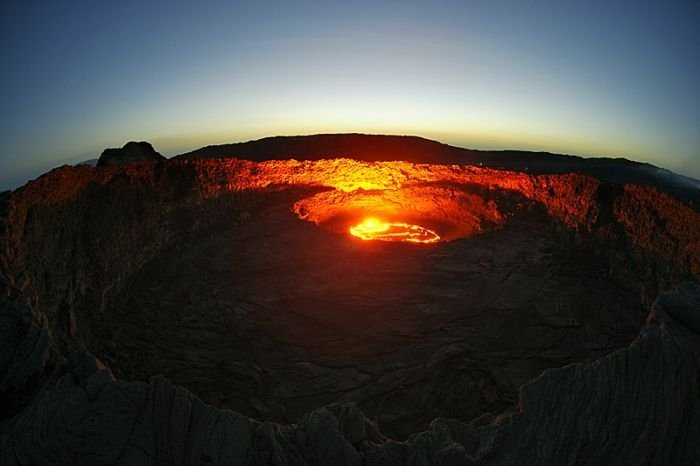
(71, 239)
(73, 236)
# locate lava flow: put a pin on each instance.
(375, 229)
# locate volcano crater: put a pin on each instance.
(272, 316)
(240, 281)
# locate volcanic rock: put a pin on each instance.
(24, 345)
(131, 152)
(234, 321)
(645, 397)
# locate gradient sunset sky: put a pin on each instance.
(606, 78)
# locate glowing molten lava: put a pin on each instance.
(375, 229)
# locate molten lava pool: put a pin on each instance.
(375, 229)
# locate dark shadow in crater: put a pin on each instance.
(275, 317)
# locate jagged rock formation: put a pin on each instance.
(640, 405)
(131, 152)
(87, 252)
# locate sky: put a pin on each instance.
(594, 78)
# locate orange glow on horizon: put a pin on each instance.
(374, 229)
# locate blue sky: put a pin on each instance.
(590, 78)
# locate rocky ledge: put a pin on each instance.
(639, 405)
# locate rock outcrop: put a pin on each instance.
(131, 152)
(639, 405)
(383, 148)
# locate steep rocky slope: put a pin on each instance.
(81, 246)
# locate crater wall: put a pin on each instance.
(75, 233)
(71, 238)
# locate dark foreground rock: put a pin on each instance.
(24, 351)
(639, 405)
(131, 152)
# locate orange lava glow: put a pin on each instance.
(375, 229)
